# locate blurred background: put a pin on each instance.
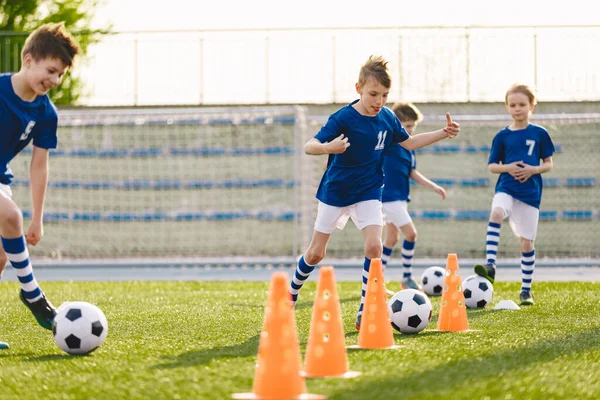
(182, 126)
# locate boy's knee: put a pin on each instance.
(314, 256)
(411, 236)
(527, 245)
(11, 218)
(373, 249)
(497, 215)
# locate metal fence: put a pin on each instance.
(320, 65)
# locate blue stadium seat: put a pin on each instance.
(548, 215)
(577, 215)
(446, 149)
(580, 182)
(436, 214)
(551, 182)
(189, 216)
(475, 182)
(445, 182)
(87, 217)
(472, 215)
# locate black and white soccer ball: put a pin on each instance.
(432, 280)
(478, 291)
(410, 311)
(79, 327)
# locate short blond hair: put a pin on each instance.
(407, 112)
(51, 41)
(523, 89)
(376, 68)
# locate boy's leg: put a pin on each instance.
(527, 268)
(391, 238)
(501, 205)
(373, 249)
(31, 294)
(365, 280)
(491, 249)
(524, 222)
(307, 262)
(396, 218)
(328, 218)
(408, 251)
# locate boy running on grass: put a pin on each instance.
(27, 114)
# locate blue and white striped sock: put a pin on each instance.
(18, 255)
(365, 279)
(385, 256)
(491, 241)
(527, 267)
(303, 271)
(408, 251)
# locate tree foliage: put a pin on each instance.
(19, 17)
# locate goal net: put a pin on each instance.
(234, 182)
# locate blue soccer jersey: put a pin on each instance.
(21, 122)
(398, 163)
(357, 174)
(529, 145)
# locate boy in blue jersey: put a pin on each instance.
(400, 165)
(355, 137)
(515, 155)
(27, 114)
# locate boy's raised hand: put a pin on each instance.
(452, 128)
(338, 145)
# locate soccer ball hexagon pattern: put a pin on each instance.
(432, 280)
(478, 291)
(79, 327)
(410, 311)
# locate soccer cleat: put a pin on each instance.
(526, 298)
(357, 323)
(488, 271)
(3, 345)
(43, 311)
(410, 283)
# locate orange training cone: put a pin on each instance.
(375, 328)
(278, 363)
(453, 312)
(326, 349)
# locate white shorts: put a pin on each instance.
(5, 191)
(522, 217)
(396, 212)
(363, 214)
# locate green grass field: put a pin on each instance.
(198, 340)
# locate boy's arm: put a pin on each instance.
(424, 139)
(512, 168)
(428, 183)
(337, 146)
(547, 165)
(38, 172)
